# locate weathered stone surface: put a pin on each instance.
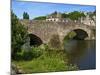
(45, 30)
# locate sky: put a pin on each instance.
(35, 9)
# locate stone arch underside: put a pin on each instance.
(81, 33)
(35, 40)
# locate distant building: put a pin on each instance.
(88, 20)
(56, 17)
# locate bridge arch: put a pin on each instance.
(77, 34)
(80, 34)
(34, 40)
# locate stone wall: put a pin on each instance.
(44, 29)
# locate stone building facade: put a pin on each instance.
(57, 17)
(88, 20)
(54, 17)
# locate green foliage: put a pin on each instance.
(69, 36)
(40, 18)
(36, 51)
(64, 15)
(24, 55)
(27, 55)
(44, 47)
(92, 14)
(50, 61)
(75, 15)
(25, 15)
(44, 63)
(45, 60)
(18, 33)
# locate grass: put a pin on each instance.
(49, 61)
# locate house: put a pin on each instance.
(89, 20)
(55, 17)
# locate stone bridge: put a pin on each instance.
(44, 30)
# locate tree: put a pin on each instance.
(40, 18)
(64, 15)
(91, 14)
(94, 12)
(25, 15)
(75, 15)
(18, 35)
(55, 13)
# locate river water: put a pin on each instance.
(82, 53)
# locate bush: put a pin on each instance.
(34, 52)
(19, 35)
(75, 15)
(44, 47)
(27, 55)
(18, 56)
(37, 51)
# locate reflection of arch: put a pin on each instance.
(35, 40)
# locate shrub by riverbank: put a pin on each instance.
(48, 61)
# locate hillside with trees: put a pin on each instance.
(40, 18)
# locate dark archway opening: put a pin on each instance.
(77, 34)
(35, 40)
(80, 34)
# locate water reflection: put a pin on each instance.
(82, 53)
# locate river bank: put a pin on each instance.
(49, 61)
